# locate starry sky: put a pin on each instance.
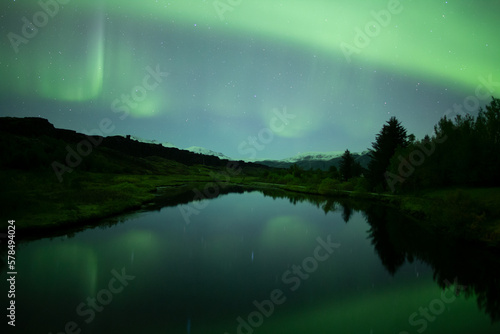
(248, 78)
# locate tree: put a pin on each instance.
(349, 168)
(296, 171)
(392, 136)
(345, 165)
(464, 151)
(489, 133)
(333, 172)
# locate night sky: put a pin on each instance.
(219, 74)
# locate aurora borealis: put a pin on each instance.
(227, 66)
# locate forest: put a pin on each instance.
(464, 151)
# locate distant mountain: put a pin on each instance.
(313, 156)
(363, 158)
(206, 151)
(316, 160)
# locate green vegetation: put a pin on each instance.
(35, 200)
(38, 203)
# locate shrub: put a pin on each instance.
(360, 184)
(288, 179)
(328, 185)
(347, 186)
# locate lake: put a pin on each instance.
(256, 262)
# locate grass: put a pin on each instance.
(476, 209)
(37, 201)
(34, 200)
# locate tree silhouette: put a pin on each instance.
(392, 136)
(348, 167)
(464, 151)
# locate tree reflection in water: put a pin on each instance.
(398, 239)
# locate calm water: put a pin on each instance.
(249, 263)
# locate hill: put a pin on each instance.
(52, 177)
(35, 144)
(205, 151)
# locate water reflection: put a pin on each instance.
(200, 257)
(398, 239)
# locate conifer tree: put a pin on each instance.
(392, 136)
(346, 165)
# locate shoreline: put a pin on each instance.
(153, 195)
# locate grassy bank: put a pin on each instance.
(37, 203)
